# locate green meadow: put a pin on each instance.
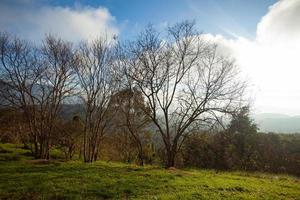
(21, 177)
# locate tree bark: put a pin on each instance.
(170, 161)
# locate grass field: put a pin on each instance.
(24, 178)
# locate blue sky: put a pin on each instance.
(226, 17)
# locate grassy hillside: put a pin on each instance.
(23, 178)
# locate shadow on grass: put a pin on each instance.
(73, 180)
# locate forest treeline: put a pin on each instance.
(241, 147)
(159, 98)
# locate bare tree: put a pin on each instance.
(56, 84)
(19, 74)
(185, 83)
(97, 84)
(37, 81)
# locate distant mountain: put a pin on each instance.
(279, 123)
(267, 122)
(68, 111)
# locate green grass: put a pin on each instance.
(29, 179)
(13, 152)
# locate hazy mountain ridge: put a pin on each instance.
(276, 122)
(267, 122)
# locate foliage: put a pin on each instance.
(241, 147)
(69, 136)
(13, 127)
(131, 124)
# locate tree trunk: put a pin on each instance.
(141, 155)
(70, 152)
(141, 159)
(96, 156)
(36, 150)
(40, 154)
(170, 161)
(97, 151)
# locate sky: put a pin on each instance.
(263, 36)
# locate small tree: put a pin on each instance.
(244, 137)
(131, 118)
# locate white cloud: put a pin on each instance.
(272, 58)
(73, 24)
(281, 24)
